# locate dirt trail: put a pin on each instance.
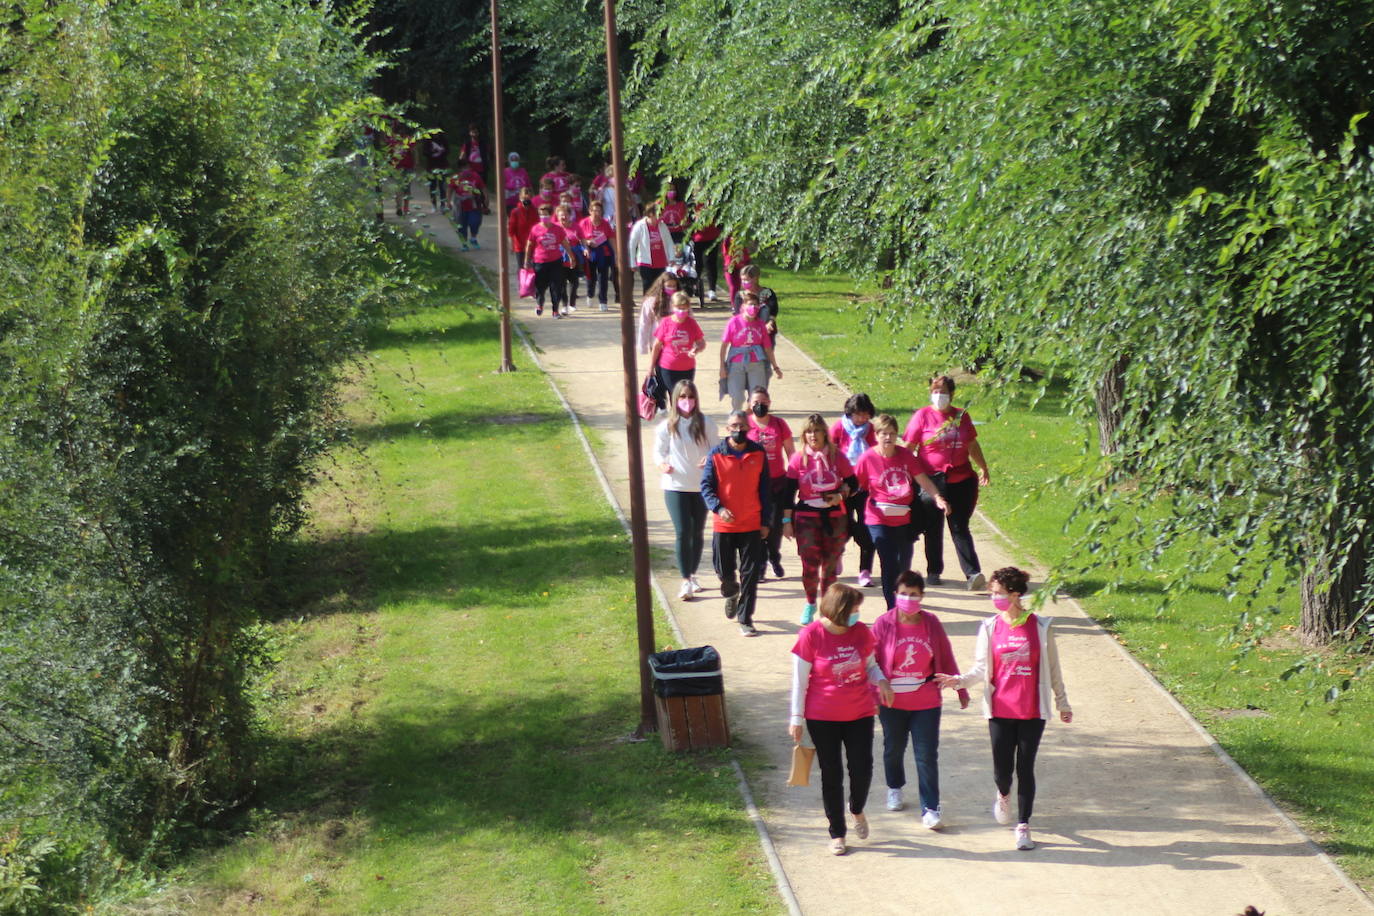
(1135, 812)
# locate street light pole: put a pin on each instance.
(639, 532)
(497, 189)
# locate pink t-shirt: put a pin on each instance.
(838, 690)
(593, 234)
(673, 215)
(548, 242)
(1015, 663)
(559, 179)
(515, 180)
(913, 660)
(679, 338)
(942, 441)
(579, 205)
(658, 257)
(890, 482)
(771, 436)
(745, 332)
(816, 475)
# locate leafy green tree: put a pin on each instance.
(1165, 201)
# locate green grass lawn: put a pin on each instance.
(1313, 756)
(447, 731)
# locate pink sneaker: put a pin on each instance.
(865, 580)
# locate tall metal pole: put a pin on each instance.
(639, 531)
(498, 186)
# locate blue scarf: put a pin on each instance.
(857, 437)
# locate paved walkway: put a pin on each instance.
(1135, 813)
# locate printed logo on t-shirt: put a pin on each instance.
(1015, 658)
(845, 666)
(680, 341)
(896, 481)
(819, 478)
(910, 649)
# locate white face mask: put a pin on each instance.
(939, 400)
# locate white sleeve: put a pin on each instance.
(661, 437)
(976, 674)
(801, 676)
(875, 674)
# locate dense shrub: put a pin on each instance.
(187, 263)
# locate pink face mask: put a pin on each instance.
(751, 311)
(685, 405)
(681, 314)
(908, 604)
(1001, 602)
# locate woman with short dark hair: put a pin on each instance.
(1016, 662)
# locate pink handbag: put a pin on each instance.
(526, 283)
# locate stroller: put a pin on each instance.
(684, 267)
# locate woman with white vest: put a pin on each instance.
(651, 246)
(1016, 661)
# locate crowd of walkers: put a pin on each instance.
(863, 478)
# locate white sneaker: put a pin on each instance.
(686, 591)
(697, 586)
(1023, 840)
(1001, 809)
(931, 818)
(711, 296)
(977, 582)
(894, 800)
(570, 308)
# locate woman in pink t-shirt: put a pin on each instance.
(943, 436)
(746, 352)
(515, 177)
(912, 647)
(832, 668)
(891, 475)
(597, 236)
(677, 341)
(544, 249)
(1016, 661)
(814, 511)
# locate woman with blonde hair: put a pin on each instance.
(820, 478)
(681, 444)
(833, 667)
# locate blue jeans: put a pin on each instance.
(894, 545)
(923, 727)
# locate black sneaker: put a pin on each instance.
(777, 570)
(731, 606)
(934, 581)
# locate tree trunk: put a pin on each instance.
(1327, 614)
(1109, 394)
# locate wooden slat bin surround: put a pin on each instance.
(692, 723)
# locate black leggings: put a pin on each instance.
(856, 737)
(647, 275)
(962, 498)
(548, 277)
(1014, 743)
(858, 529)
(708, 265)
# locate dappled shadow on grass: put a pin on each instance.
(553, 766)
(481, 329)
(455, 425)
(491, 562)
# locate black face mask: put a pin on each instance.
(739, 436)
(760, 410)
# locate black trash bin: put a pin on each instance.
(689, 696)
(687, 672)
